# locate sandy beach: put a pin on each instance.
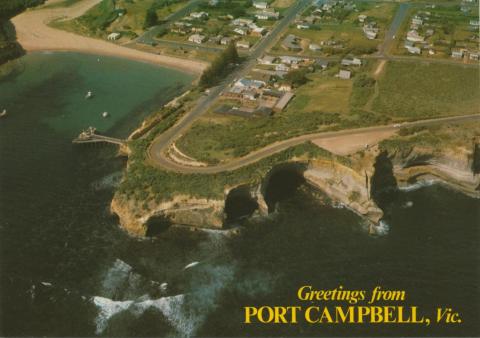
(34, 34)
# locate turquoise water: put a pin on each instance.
(65, 262)
(58, 83)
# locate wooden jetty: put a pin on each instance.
(90, 136)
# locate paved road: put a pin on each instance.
(160, 161)
(149, 36)
(161, 143)
(394, 27)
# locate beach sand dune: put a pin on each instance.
(34, 34)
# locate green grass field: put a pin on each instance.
(418, 90)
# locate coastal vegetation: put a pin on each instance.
(434, 139)
(126, 17)
(143, 182)
(9, 48)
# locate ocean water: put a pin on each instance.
(67, 269)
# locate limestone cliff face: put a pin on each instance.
(181, 209)
(345, 185)
(453, 167)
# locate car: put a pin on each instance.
(397, 125)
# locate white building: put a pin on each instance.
(260, 4)
(113, 36)
(243, 44)
(413, 36)
(199, 15)
(197, 38)
(344, 74)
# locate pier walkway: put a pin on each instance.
(90, 136)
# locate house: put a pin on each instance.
(344, 74)
(285, 87)
(474, 56)
(283, 102)
(282, 68)
(291, 43)
(197, 38)
(267, 15)
(260, 4)
(303, 26)
(370, 30)
(370, 33)
(257, 31)
(414, 50)
(242, 22)
(181, 27)
(321, 63)
(362, 18)
(199, 15)
(314, 47)
(475, 23)
(249, 84)
(240, 31)
(113, 36)
(243, 44)
(413, 36)
(290, 60)
(351, 61)
(225, 41)
(215, 39)
(416, 20)
(266, 60)
(457, 53)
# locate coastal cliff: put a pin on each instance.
(181, 209)
(448, 155)
(345, 185)
(416, 156)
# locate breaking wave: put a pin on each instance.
(382, 229)
(418, 185)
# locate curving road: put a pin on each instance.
(162, 142)
(157, 157)
(157, 150)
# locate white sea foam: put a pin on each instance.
(109, 181)
(382, 229)
(107, 309)
(418, 185)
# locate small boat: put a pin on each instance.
(191, 265)
(105, 114)
(3, 113)
(89, 95)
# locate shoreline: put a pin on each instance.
(34, 35)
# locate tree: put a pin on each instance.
(296, 77)
(151, 18)
(231, 54)
(220, 67)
